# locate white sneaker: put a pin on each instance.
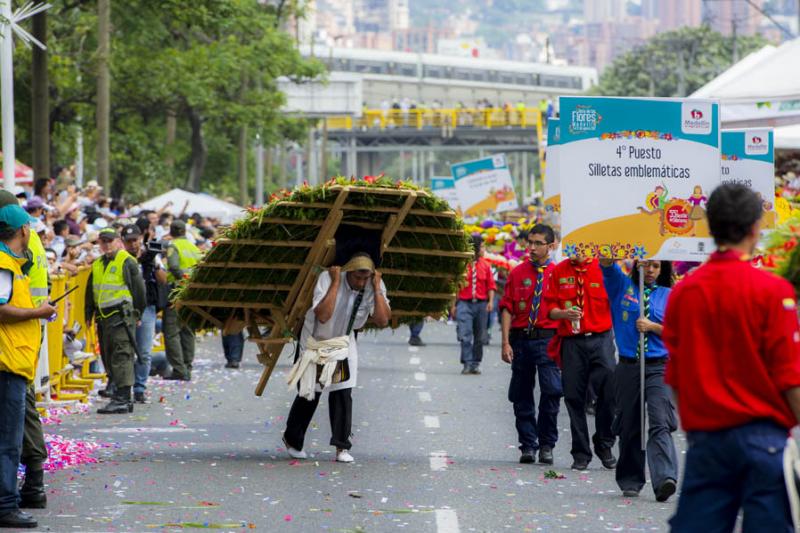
(295, 454)
(343, 456)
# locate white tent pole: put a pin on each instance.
(7, 95)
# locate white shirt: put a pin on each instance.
(336, 326)
(6, 283)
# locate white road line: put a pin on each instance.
(420, 376)
(431, 421)
(424, 396)
(413, 349)
(414, 361)
(446, 521)
(438, 461)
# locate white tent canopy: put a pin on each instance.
(204, 204)
(761, 90)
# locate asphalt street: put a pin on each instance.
(435, 452)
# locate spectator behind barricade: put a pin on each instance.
(52, 261)
(72, 216)
(61, 230)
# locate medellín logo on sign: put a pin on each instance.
(756, 143)
(584, 118)
(696, 118)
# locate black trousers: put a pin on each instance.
(340, 408)
(588, 360)
(34, 451)
(661, 456)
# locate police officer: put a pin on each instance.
(182, 256)
(115, 293)
(527, 329)
(34, 451)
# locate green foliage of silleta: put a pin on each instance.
(304, 206)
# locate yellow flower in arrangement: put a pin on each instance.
(492, 231)
(508, 228)
(522, 221)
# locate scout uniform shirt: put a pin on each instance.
(580, 285)
(479, 281)
(520, 295)
(734, 345)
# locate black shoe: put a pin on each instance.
(465, 370)
(105, 393)
(175, 377)
(475, 370)
(116, 407)
(416, 341)
(139, 397)
(232, 364)
(630, 493)
(580, 464)
(526, 457)
(32, 494)
(546, 455)
(18, 519)
(607, 458)
(665, 490)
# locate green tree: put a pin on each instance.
(674, 63)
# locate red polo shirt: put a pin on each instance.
(518, 296)
(479, 281)
(734, 345)
(567, 280)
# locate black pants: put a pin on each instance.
(589, 360)
(34, 451)
(661, 456)
(340, 407)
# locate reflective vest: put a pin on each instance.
(108, 284)
(188, 254)
(19, 341)
(37, 275)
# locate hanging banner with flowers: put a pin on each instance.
(748, 157)
(552, 189)
(484, 186)
(636, 176)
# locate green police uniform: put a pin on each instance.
(179, 340)
(116, 296)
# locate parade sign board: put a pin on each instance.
(748, 157)
(552, 189)
(636, 176)
(484, 186)
(445, 188)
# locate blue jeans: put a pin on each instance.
(471, 329)
(732, 469)
(145, 333)
(12, 425)
(530, 357)
(415, 329)
(233, 346)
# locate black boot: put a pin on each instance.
(120, 404)
(32, 494)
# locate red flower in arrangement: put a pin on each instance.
(791, 243)
(370, 179)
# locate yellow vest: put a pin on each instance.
(108, 284)
(188, 254)
(19, 341)
(38, 272)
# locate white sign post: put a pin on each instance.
(748, 157)
(10, 22)
(484, 186)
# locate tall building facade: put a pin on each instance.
(673, 14)
(730, 15)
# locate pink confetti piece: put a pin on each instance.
(288, 518)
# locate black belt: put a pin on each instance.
(473, 300)
(535, 333)
(647, 360)
(587, 334)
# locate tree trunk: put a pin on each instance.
(40, 101)
(199, 151)
(243, 196)
(103, 91)
(172, 126)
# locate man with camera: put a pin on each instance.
(155, 281)
(182, 256)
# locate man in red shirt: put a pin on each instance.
(578, 302)
(475, 302)
(734, 366)
(527, 328)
